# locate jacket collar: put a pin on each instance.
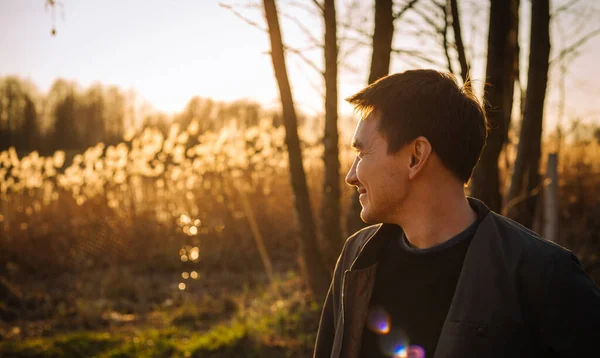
(369, 253)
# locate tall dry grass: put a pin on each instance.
(167, 202)
(154, 200)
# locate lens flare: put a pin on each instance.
(379, 320)
(414, 351)
(394, 343)
(400, 353)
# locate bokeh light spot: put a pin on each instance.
(194, 253)
(194, 275)
(414, 351)
(394, 343)
(185, 275)
(184, 219)
(182, 286)
(400, 353)
(379, 321)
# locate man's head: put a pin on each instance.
(418, 128)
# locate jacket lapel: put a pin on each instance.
(476, 293)
(357, 287)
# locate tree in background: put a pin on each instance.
(501, 71)
(460, 47)
(317, 275)
(330, 205)
(19, 120)
(525, 177)
(92, 112)
(383, 35)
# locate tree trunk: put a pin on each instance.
(380, 67)
(382, 40)
(501, 70)
(330, 206)
(525, 177)
(551, 199)
(460, 47)
(317, 276)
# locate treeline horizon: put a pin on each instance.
(70, 117)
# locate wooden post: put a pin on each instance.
(551, 199)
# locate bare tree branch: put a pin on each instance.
(575, 46)
(302, 6)
(445, 39)
(356, 44)
(347, 26)
(418, 55)
(297, 52)
(426, 32)
(317, 88)
(406, 7)
(319, 5)
(301, 26)
(430, 21)
(460, 48)
(563, 8)
(524, 196)
(306, 60)
(243, 18)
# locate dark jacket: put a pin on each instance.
(518, 295)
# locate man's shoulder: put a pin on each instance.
(527, 242)
(356, 241)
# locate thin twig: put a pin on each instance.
(417, 55)
(242, 17)
(520, 198)
(445, 39)
(310, 63)
(406, 7)
(347, 26)
(563, 8)
(302, 6)
(319, 5)
(288, 48)
(301, 26)
(573, 48)
(430, 21)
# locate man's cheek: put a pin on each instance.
(360, 171)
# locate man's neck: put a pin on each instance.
(436, 218)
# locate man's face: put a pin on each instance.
(380, 178)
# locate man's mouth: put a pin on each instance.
(362, 191)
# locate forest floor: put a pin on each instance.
(120, 313)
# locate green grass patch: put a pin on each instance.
(269, 322)
(81, 344)
(224, 338)
(150, 343)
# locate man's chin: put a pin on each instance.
(367, 217)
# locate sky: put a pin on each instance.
(170, 50)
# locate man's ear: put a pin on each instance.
(420, 151)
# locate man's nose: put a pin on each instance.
(351, 178)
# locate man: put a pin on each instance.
(444, 276)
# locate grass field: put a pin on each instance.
(144, 249)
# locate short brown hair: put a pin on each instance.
(431, 104)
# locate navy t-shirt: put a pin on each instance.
(412, 294)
